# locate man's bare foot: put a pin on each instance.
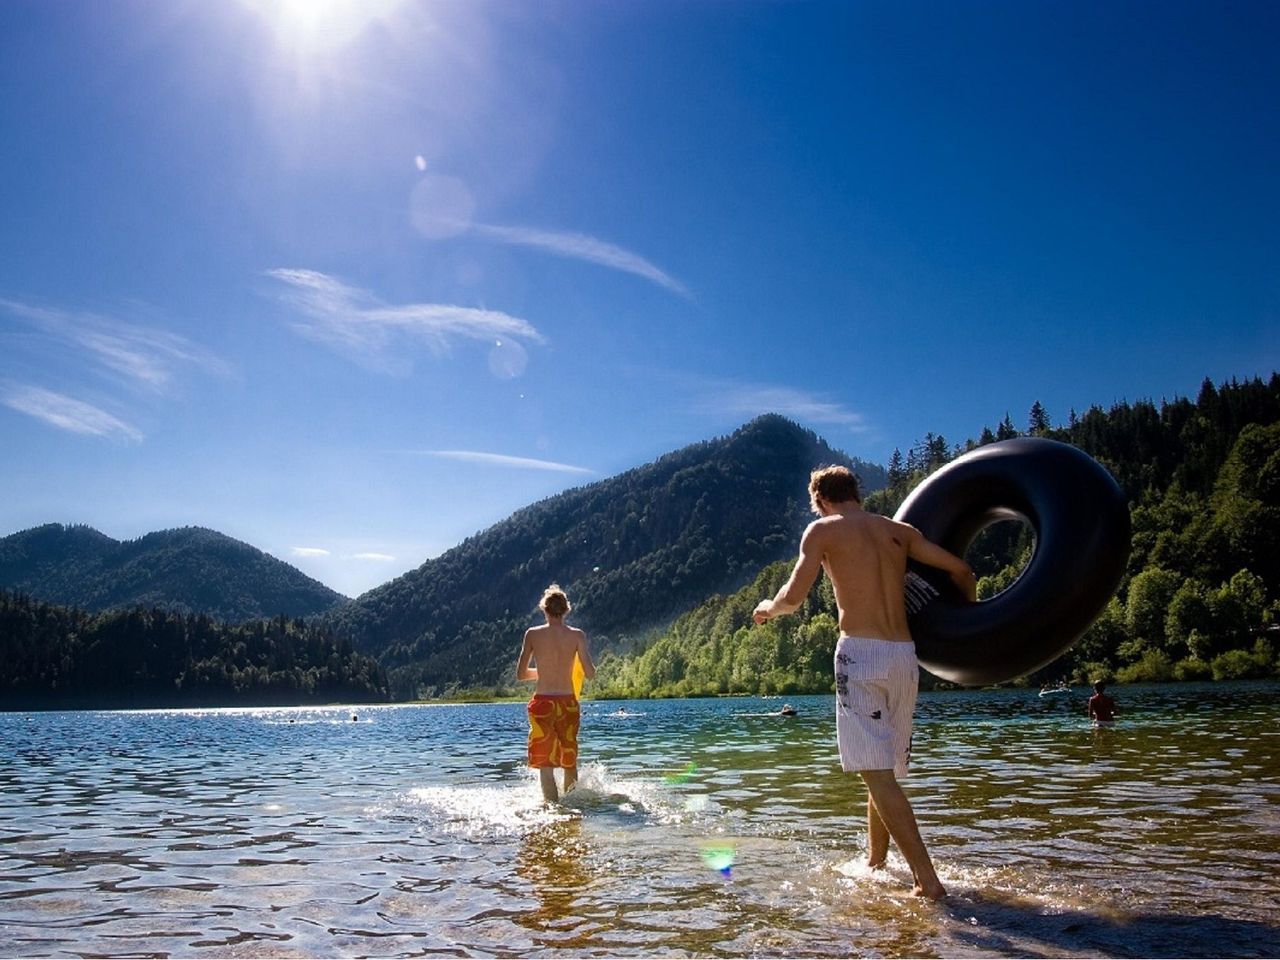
(935, 891)
(876, 864)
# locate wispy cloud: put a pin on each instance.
(502, 460)
(749, 400)
(309, 552)
(375, 557)
(356, 324)
(66, 413)
(580, 246)
(143, 356)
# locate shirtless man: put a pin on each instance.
(1102, 709)
(865, 556)
(553, 711)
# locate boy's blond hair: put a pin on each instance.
(554, 602)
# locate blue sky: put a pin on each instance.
(353, 281)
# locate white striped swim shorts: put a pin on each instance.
(876, 686)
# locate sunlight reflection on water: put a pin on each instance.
(419, 830)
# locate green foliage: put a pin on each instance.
(1192, 668)
(1150, 594)
(1090, 672)
(1236, 665)
(1201, 479)
(1153, 666)
(189, 570)
(1098, 646)
(1190, 618)
(53, 656)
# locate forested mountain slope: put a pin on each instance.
(188, 570)
(633, 551)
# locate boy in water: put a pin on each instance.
(553, 711)
(865, 556)
(1102, 709)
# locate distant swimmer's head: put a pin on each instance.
(554, 603)
(833, 485)
(1100, 686)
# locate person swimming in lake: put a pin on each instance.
(554, 712)
(1102, 709)
(877, 675)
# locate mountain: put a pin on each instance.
(632, 551)
(185, 570)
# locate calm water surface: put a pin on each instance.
(417, 830)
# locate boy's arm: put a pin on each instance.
(584, 656)
(926, 551)
(800, 583)
(523, 670)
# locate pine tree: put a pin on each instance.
(897, 470)
(1037, 420)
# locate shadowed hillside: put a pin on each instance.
(633, 552)
(189, 570)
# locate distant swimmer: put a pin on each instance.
(1102, 709)
(877, 675)
(554, 712)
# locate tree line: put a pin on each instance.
(65, 657)
(1200, 598)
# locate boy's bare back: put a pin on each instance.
(553, 647)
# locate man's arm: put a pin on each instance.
(800, 583)
(927, 552)
(584, 657)
(523, 670)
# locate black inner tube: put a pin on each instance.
(1080, 521)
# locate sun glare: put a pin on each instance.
(320, 26)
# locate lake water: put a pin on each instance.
(418, 831)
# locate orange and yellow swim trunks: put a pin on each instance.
(553, 730)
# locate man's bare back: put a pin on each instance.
(866, 558)
(553, 647)
(865, 555)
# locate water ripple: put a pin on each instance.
(417, 830)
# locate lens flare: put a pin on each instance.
(682, 776)
(719, 857)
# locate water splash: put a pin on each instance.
(479, 812)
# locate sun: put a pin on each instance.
(320, 26)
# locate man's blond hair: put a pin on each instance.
(554, 602)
